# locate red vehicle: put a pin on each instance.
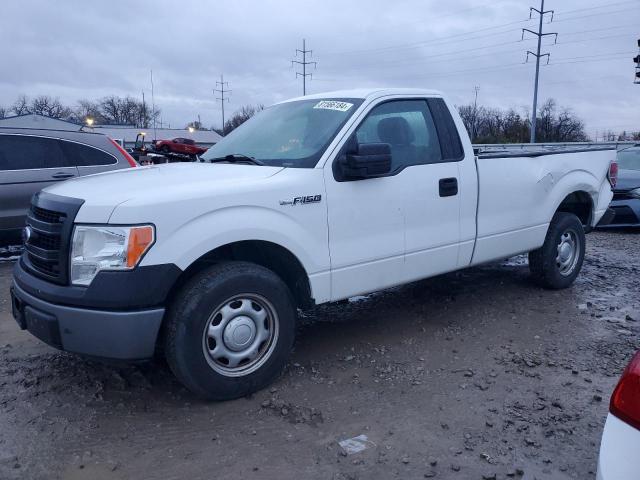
(185, 146)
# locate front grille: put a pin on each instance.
(47, 215)
(51, 269)
(43, 245)
(50, 224)
(46, 241)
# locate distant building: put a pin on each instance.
(127, 134)
(33, 120)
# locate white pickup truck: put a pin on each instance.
(313, 200)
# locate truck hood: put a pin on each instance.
(103, 192)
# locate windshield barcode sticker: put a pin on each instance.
(333, 105)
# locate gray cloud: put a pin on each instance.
(75, 49)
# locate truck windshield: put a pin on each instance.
(291, 134)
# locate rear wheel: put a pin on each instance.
(557, 263)
(165, 149)
(230, 330)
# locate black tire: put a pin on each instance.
(165, 149)
(190, 352)
(547, 264)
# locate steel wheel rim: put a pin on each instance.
(568, 252)
(240, 335)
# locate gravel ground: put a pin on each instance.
(473, 375)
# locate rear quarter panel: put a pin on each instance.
(519, 196)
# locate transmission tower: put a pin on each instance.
(541, 13)
(222, 91)
(304, 64)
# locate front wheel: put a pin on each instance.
(230, 330)
(557, 263)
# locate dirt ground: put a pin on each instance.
(474, 375)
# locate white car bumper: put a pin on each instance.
(619, 451)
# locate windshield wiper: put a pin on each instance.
(236, 158)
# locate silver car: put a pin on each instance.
(33, 159)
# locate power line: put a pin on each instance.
(541, 13)
(606, 5)
(465, 52)
(617, 57)
(583, 40)
(222, 98)
(304, 64)
(599, 14)
(495, 68)
(435, 40)
(473, 32)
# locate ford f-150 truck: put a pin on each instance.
(313, 200)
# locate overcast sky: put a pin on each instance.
(80, 49)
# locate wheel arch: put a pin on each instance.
(581, 204)
(268, 254)
(577, 193)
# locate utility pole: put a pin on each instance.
(143, 113)
(153, 108)
(475, 113)
(222, 90)
(538, 34)
(304, 64)
(636, 60)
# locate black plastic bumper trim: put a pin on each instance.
(608, 216)
(105, 334)
(142, 287)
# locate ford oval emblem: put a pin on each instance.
(26, 234)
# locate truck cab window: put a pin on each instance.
(408, 127)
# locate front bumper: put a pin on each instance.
(627, 213)
(122, 335)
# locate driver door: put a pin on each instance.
(399, 227)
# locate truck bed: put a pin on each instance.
(519, 187)
(534, 152)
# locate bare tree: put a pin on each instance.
(493, 125)
(49, 107)
(628, 137)
(239, 117)
(3, 112)
(87, 109)
(21, 106)
(126, 111)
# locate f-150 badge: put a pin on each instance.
(302, 200)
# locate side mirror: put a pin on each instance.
(365, 160)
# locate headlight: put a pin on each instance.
(635, 193)
(107, 248)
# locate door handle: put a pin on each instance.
(62, 175)
(448, 187)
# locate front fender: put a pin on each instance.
(304, 235)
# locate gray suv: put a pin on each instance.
(33, 159)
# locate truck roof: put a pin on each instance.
(366, 93)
